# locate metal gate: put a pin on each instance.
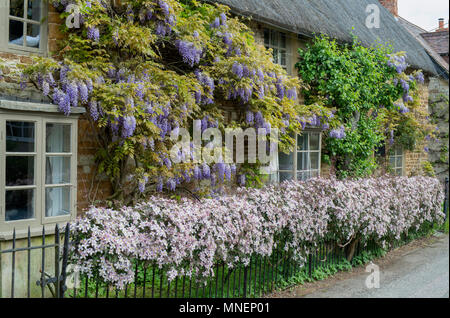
(54, 281)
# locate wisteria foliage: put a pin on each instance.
(188, 237)
(143, 68)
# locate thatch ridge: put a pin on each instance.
(337, 19)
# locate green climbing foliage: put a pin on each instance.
(374, 100)
(146, 68)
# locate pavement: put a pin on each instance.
(422, 272)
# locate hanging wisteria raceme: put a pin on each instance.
(338, 133)
(188, 237)
(144, 68)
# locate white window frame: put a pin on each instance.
(274, 43)
(39, 219)
(395, 153)
(295, 170)
(5, 46)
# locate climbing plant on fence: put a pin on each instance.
(189, 238)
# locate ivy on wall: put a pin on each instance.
(376, 101)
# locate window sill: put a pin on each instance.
(35, 231)
(36, 107)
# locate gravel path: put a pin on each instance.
(422, 272)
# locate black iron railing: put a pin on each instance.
(54, 281)
(260, 276)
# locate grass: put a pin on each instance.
(446, 226)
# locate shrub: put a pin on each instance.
(188, 237)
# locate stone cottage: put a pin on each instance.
(48, 173)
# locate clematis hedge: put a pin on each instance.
(188, 237)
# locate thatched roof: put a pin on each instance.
(337, 19)
(418, 33)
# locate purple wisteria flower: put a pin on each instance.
(93, 33)
(206, 172)
(223, 19)
(338, 133)
(249, 117)
(128, 126)
(45, 88)
(237, 69)
(420, 78)
(407, 98)
(165, 8)
(216, 23)
(292, 93)
(84, 93)
(93, 110)
(405, 85)
(189, 52)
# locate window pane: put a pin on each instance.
(303, 161)
(19, 170)
(286, 176)
(19, 204)
(274, 38)
(399, 162)
(283, 40)
(15, 32)
(282, 57)
(302, 142)
(275, 56)
(398, 172)
(34, 10)
(266, 37)
(314, 141)
(33, 36)
(58, 138)
(57, 201)
(392, 161)
(19, 136)
(16, 8)
(304, 175)
(57, 170)
(314, 160)
(286, 161)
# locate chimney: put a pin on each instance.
(441, 24)
(391, 5)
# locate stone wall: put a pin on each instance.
(439, 110)
(415, 159)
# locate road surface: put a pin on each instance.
(420, 273)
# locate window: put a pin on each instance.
(38, 170)
(396, 160)
(304, 163)
(24, 25)
(277, 41)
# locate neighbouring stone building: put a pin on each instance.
(48, 171)
(436, 45)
